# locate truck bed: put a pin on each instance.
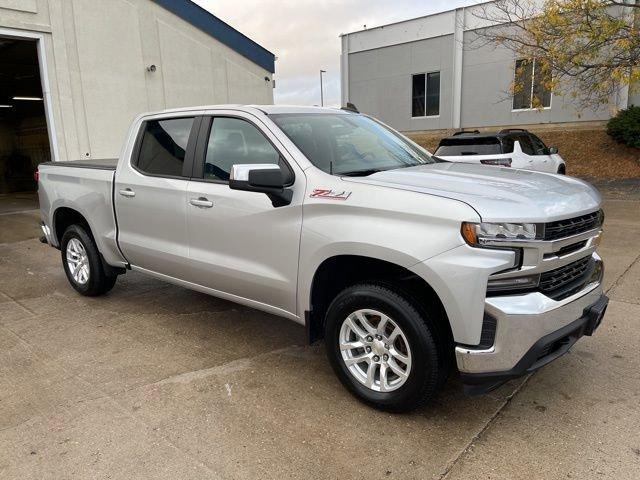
(86, 187)
(99, 164)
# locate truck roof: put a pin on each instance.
(268, 109)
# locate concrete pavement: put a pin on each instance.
(155, 381)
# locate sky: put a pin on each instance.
(304, 36)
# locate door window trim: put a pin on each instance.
(200, 151)
(187, 166)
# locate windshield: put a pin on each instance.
(469, 146)
(344, 144)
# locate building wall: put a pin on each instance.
(380, 81)
(487, 75)
(634, 94)
(377, 65)
(97, 54)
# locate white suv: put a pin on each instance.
(513, 147)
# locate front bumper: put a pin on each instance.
(531, 330)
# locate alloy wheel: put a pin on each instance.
(375, 350)
(78, 261)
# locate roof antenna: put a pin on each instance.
(330, 167)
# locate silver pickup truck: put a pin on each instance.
(404, 264)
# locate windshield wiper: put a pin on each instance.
(361, 173)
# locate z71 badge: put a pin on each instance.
(330, 194)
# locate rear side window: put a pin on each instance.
(164, 146)
(469, 146)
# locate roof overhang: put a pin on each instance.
(224, 33)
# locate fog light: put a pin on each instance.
(515, 283)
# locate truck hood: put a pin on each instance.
(496, 193)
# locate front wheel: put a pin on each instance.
(562, 170)
(82, 263)
(382, 349)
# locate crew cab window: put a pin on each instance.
(164, 145)
(538, 145)
(469, 146)
(233, 141)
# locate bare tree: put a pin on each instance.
(588, 50)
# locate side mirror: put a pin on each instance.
(262, 178)
(552, 150)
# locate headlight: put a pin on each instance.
(478, 234)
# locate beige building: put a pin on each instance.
(74, 73)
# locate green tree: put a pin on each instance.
(588, 50)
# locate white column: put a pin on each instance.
(344, 70)
(456, 91)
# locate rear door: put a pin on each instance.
(239, 243)
(150, 195)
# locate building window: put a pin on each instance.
(425, 94)
(531, 85)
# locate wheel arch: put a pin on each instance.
(63, 217)
(340, 271)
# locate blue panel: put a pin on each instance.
(209, 23)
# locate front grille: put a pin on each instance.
(572, 226)
(565, 281)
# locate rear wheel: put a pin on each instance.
(382, 349)
(82, 263)
(562, 170)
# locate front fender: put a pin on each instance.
(459, 277)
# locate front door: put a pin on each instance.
(239, 243)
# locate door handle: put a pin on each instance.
(127, 192)
(201, 202)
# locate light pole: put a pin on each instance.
(321, 92)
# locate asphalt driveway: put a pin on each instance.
(155, 381)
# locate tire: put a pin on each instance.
(428, 364)
(562, 170)
(77, 244)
